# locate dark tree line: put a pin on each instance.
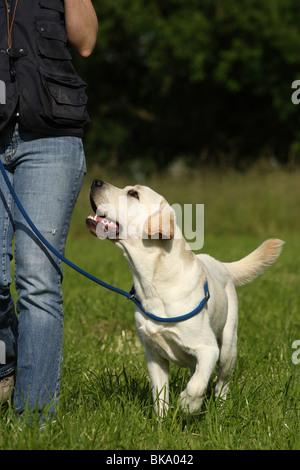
(206, 80)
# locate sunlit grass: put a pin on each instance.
(106, 401)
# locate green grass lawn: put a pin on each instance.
(105, 399)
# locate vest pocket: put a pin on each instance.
(65, 99)
(52, 40)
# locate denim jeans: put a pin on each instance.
(47, 174)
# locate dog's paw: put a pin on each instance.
(190, 404)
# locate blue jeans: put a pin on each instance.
(47, 174)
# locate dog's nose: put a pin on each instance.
(97, 184)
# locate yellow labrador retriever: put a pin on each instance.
(169, 281)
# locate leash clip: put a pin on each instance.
(132, 292)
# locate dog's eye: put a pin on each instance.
(133, 193)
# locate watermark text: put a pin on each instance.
(135, 221)
(2, 92)
(2, 353)
(296, 94)
(296, 354)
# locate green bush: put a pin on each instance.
(210, 80)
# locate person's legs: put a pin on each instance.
(47, 177)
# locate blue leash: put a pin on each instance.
(90, 276)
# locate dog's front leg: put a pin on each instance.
(158, 369)
(192, 396)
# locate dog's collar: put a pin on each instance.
(172, 319)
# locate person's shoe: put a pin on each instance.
(6, 387)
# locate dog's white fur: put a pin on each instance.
(169, 281)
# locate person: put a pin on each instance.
(41, 128)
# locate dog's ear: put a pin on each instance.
(161, 223)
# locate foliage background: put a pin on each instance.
(205, 80)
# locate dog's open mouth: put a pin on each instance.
(101, 225)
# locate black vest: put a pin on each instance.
(40, 81)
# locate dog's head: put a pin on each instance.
(134, 212)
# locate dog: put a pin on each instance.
(169, 281)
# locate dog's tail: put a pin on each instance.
(253, 265)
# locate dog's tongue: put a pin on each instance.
(106, 228)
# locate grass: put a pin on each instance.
(105, 400)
